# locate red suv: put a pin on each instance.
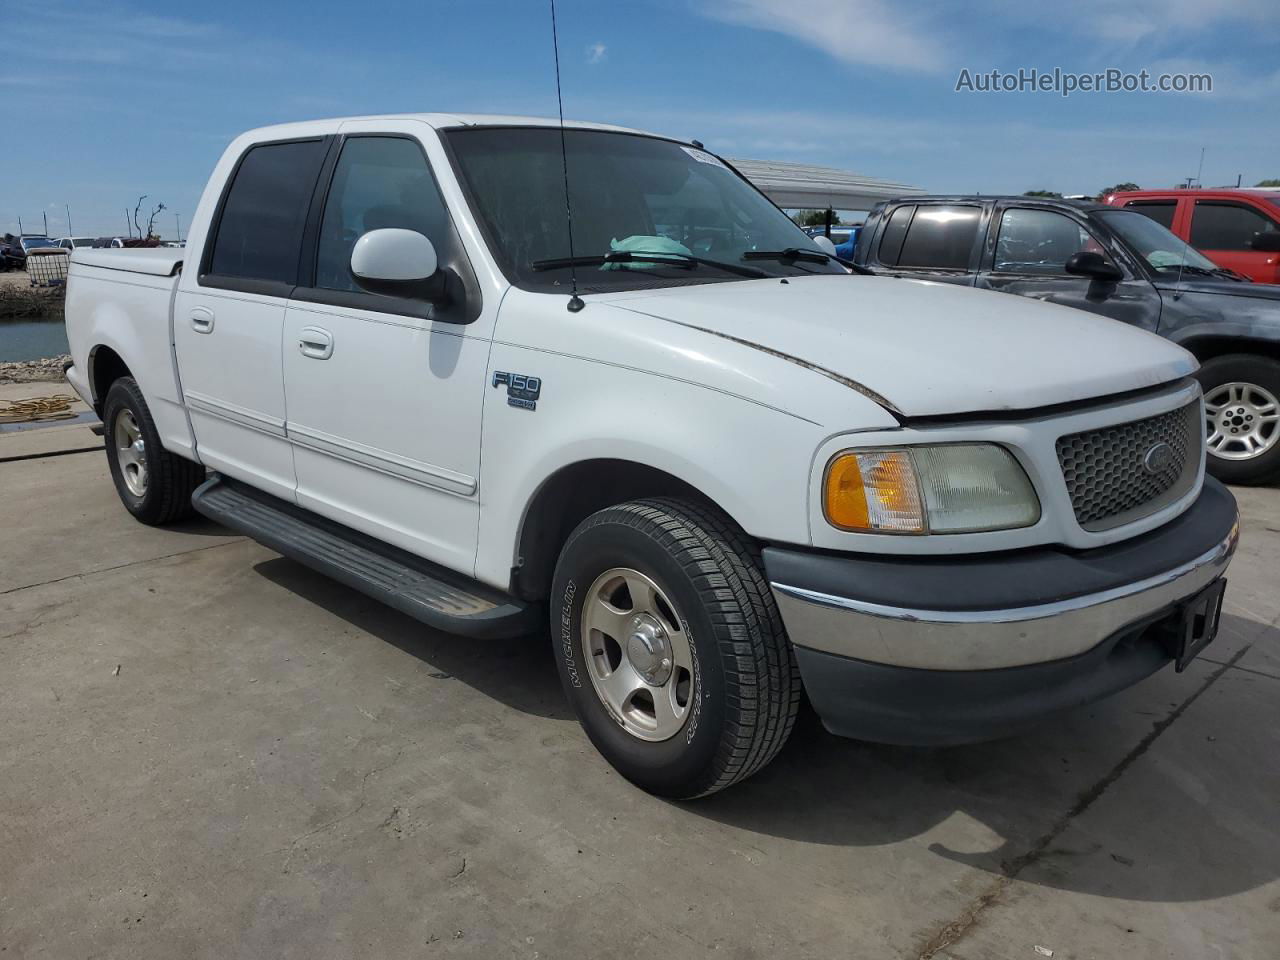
(1236, 229)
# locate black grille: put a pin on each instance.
(1113, 476)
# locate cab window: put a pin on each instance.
(259, 232)
(940, 237)
(1227, 226)
(379, 182)
(1039, 242)
(1161, 211)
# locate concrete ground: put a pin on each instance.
(209, 751)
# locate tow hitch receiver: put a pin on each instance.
(1192, 627)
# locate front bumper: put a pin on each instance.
(954, 649)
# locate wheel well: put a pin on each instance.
(1206, 348)
(105, 368)
(571, 495)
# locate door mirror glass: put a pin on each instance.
(393, 255)
(1268, 242)
(1093, 265)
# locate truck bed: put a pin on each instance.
(155, 261)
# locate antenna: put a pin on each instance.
(575, 302)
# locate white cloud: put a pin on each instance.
(596, 52)
(855, 31)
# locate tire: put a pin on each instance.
(1240, 390)
(154, 485)
(717, 619)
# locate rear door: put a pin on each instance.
(1224, 230)
(1028, 248)
(930, 241)
(228, 313)
(384, 393)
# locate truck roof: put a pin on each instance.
(988, 197)
(435, 120)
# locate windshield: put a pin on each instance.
(33, 242)
(1154, 243)
(629, 193)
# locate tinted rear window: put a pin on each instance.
(260, 233)
(1161, 211)
(894, 233)
(940, 238)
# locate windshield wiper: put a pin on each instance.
(683, 260)
(1191, 268)
(799, 253)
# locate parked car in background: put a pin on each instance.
(1120, 264)
(71, 243)
(839, 233)
(36, 241)
(12, 256)
(113, 243)
(1236, 229)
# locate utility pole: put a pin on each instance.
(1239, 176)
(68, 208)
(20, 230)
(45, 214)
(127, 225)
(1199, 181)
(177, 223)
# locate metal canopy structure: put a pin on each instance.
(801, 185)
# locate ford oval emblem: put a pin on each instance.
(1158, 459)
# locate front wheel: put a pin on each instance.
(1242, 417)
(670, 646)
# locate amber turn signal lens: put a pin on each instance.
(874, 491)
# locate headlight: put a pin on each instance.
(947, 488)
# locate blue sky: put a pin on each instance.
(103, 101)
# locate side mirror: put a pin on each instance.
(824, 244)
(1093, 265)
(1266, 242)
(397, 263)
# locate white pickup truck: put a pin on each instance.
(728, 471)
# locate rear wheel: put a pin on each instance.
(154, 484)
(670, 646)
(1242, 417)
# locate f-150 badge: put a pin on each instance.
(522, 391)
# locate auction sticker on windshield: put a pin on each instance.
(703, 157)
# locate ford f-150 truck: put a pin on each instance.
(720, 466)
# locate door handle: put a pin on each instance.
(316, 343)
(202, 320)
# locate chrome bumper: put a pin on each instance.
(988, 639)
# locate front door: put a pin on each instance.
(1224, 232)
(229, 311)
(384, 393)
(1029, 255)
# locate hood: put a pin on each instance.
(922, 348)
(1223, 288)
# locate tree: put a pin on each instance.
(815, 218)
(1052, 194)
(1118, 188)
(1269, 183)
(151, 220)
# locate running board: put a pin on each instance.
(423, 590)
